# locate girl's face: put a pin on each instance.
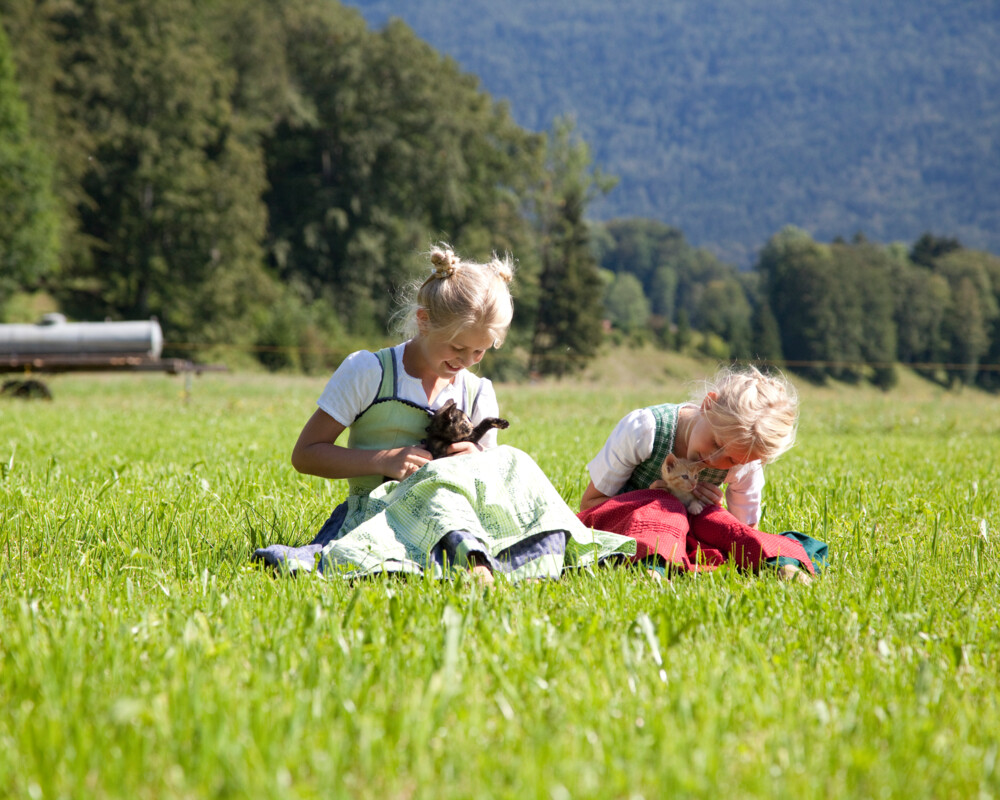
(447, 358)
(704, 445)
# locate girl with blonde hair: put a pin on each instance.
(743, 420)
(485, 507)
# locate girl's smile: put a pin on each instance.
(445, 359)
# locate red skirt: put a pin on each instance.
(661, 526)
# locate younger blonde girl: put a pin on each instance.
(742, 421)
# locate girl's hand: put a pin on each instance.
(708, 493)
(460, 448)
(402, 463)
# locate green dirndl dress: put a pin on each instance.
(497, 504)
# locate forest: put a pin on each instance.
(264, 177)
(732, 118)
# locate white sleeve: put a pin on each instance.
(744, 490)
(630, 443)
(352, 387)
(486, 405)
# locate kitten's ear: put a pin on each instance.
(670, 460)
(447, 406)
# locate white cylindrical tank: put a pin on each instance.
(55, 336)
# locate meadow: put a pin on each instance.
(143, 655)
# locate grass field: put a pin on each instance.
(142, 656)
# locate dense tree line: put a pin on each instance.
(27, 214)
(849, 311)
(860, 307)
(267, 173)
(656, 280)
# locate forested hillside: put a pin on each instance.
(732, 118)
(263, 176)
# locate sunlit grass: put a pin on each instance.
(141, 655)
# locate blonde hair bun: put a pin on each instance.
(460, 294)
(444, 262)
(503, 268)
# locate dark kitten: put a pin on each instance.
(450, 424)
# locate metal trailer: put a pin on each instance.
(54, 345)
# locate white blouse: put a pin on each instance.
(631, 443)
(353, 387)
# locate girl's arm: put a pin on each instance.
(316, 454)
(744, 493)
(591, 497)
(629, 444)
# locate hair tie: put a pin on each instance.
(502, 270)
(445, 263)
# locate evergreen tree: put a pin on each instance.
(35, 50)
(921, 298)
(28, 219)
(966, 330)
(989, 375)
(723, 310)
(682, 336)
(868, 268)
(663, 291)
(568, 316)
(972, 313)
(649, 250)
(834, 305)
(928, 248)
(673, 275)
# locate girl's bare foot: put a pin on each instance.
(483, 574)
(789, 572)
(481, 571)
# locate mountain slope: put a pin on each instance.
(733, 118)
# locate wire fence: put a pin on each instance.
(929, 366)
(341, 352)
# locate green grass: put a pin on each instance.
(142, 656)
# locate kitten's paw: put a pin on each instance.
(696, 507)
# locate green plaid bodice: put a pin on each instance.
(666, 416)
